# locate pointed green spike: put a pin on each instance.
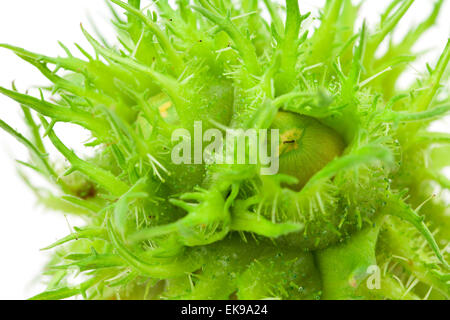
(174, 58)
(71, 63)
(242, 44)
(398, 208)
(42, 157)
(167, 83)
(434, 82)
(89, 233)
(251, 222)
(324, 37)
(58, 112)
(104, 178)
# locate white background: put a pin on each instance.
(37, 25)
